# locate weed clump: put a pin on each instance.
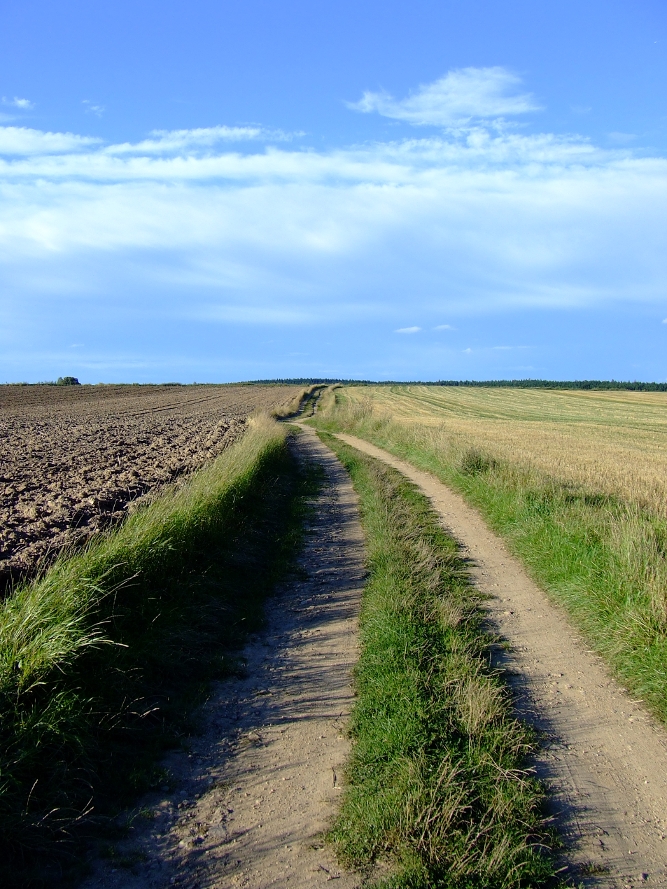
(474, 462)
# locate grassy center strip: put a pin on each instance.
(437, 782)
(103, 658)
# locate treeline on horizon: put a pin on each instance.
(507, 384)
(331, 381)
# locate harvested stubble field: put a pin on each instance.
(613, 442)
(576, 483)
(73, 458)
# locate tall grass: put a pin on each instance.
(602, 557)
(98, 656)
(437, 782)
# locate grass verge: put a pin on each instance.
(103, 658)
(603, 559)
(302, 405)
(437, 780)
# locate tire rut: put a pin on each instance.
(259, 787)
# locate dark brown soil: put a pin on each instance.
(73, 458)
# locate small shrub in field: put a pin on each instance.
(474, 462)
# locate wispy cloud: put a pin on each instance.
(202, 138)
(189, 155)
(461, 96)
(249, 314)
(664, 320)
(93, 107)
(444, 327)
(197, 222)
(622, 138)
(26, 141)
(21, 104)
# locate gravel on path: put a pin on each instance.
(259, 787)
(603, 756)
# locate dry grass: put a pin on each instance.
(575, 481)
(611, 442)
(303, 400)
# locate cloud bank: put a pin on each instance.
(236, 225)
(26, 141)
(202, 139)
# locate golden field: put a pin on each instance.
(612, 442)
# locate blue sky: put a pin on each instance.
(218, 191)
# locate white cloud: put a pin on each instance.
(278, 235)
(664, 321)
(461, 96)
(410, 162)
(444, 327)
(174, 141)
(93, 107)
(21, 104)
(26, 141)
(408, 330)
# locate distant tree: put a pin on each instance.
(67, 381)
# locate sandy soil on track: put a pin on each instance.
(72, 458)
(261, 783)
(603, 757)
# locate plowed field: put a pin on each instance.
(72, 459)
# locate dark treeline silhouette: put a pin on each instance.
(507, 384)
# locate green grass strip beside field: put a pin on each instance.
(604, 560)
(103, 657)
(437, 782)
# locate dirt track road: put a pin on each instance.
(261, 784)
(604, 759)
